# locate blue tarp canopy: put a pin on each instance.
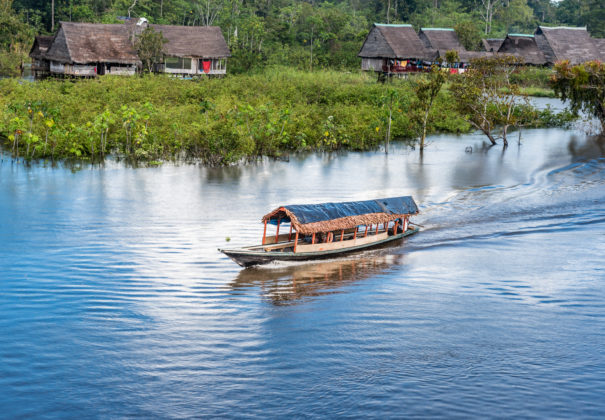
(313, 213)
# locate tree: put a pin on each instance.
(149, 45)
(452, 56)
(469, 34)
(488, 98)
(583, 86)
(487, 9)
(426, 91)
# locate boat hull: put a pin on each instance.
(248, 258)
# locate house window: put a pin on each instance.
(177, 63)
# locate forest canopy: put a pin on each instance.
(301, 34)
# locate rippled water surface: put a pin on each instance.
(114, 301)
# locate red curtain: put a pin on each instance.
(206, 66)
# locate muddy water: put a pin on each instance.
(114, 301)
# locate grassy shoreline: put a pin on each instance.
(219, 121)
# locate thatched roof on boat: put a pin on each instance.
(395, 41)
(193, 41)
(41, 45)
(325, 217)
(566, 43)
(492, 44)
(85, 43)
(523, 46)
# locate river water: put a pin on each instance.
(114, 301)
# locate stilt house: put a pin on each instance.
(445, 39)
(193, 50)
(563, 43)
(523, 46)
(40, 65)
(91, 49)
(395, 49)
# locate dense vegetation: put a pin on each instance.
(296, 33)
(219, 121)
(583, 86)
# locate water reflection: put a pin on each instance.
(291, 284)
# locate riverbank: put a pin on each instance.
(219, 121)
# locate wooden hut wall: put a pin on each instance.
(188, 47)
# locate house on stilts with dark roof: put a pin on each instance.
(94, 49)
(392, 49)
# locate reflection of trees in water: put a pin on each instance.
(290, 284)
(592, 148)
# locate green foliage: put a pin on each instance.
(426, 90)
(149, 46)
(469, 34)
(488, 97)
(583, 86)
(219, 121)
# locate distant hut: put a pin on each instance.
(566, 43)
(492, 44)
(523, 46)
(394, 49)
(91, 49)
(40, 64)
(193, 50)
(445, 39)
(442, 39)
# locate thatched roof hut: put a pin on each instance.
(89, 43)
(446, 39)
(566, 43)
(40, 47)
(193, 41)
(395, 41)
(492, 44)
(523, 46)
(441, 39)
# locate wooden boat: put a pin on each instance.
(328, 230)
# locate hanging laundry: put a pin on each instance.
(206, 66)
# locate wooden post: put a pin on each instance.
(295, 241)
(395, 227)
(355, 233)
(277, 233)
(313, 238)
(265, 232)
(376, 233)
(342, 235)
(366, 231)
(290, 235)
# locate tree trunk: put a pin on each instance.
(388, 11)
(426, 117)
(52, 16)
(386, 149)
